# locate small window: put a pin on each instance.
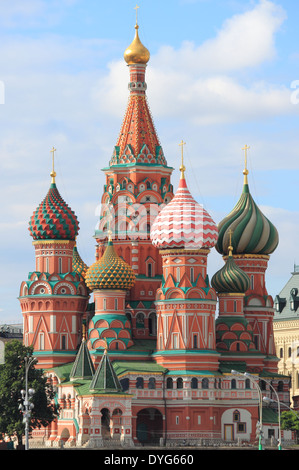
(169, 383)
(179, 383)
(139, 382)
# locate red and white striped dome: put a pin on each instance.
(184, 223)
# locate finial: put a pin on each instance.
(53, 174)
(83, 332)
(182, 167)
(136, 8)
(106, 346)
(245, 171)
(230, 247)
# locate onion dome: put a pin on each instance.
(253, 233)
(136, 53)
(78, 264)
(110, 272)
(53, 219)
(230, 278)
(183, 223)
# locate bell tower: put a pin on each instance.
(137, 187)
(54, 297)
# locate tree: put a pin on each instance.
(12, 381)
(290, 422)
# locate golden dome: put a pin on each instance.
(136, 53)
(110, 272)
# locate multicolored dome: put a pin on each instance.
(184, 223)
(110, 272)
(253, 233)
(78, 264)
(53, 219)
(230, 278)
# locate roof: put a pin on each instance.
(83, 366)
(110, 272)
(105, 378)
(53, 219)
(183, 223)
(147, 367)
(252, 232)
(287, 301)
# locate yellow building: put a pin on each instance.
(286, 331)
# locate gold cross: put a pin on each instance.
(53, 174)
(245, 171)
(136, 8)
(182, 167)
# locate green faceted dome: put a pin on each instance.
(253, 232)
(110, 272)
(230, 278)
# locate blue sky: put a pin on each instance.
(220, 76)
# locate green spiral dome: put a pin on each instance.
(253, 233)
(110, 272)
(230, 278)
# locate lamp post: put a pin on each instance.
(278, 402)
(260, 423)
(27, 395)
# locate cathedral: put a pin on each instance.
(141, 346)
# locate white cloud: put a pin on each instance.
(245, 40)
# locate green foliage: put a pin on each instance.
(290, 421)
(12, 381)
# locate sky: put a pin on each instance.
(222, 74)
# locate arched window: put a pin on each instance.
(140, 320)
(247, 383)
(139, 382)
(60, 265)
(205, 383)
(149, 270)
(179, 383)
(152, 323)
(124, 384)
(280, 386)
(194, 382)
(263, 385)
(169, 383)
(152, 383)
(233, 384)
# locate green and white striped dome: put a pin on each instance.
(253, 233)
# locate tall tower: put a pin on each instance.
(254, 239)
(54, 297)
(137, 187)
(184, 233)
